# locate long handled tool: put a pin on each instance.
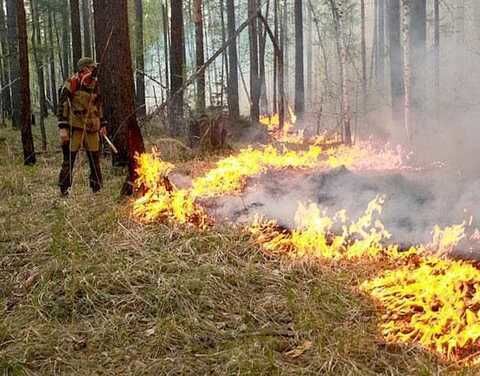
(110, 143)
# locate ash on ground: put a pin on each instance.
(414, 202)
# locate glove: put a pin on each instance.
(103, 131)
(64, 136)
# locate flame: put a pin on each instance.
(426, 299)
(431, 301)
(161, 201)
(314, 233)
(445, 240)
(230, 174)
(287, 134)
(367, 156)
(272, 122)
(436, 304)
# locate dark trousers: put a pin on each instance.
(66, 173)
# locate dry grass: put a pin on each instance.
(85, 290)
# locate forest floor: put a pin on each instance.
(86, 290)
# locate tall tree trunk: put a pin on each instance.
(15, 83)
(175, 112)
(299, 65)
(116, 79)
(309, 55)
(254, 76)
(36, 47)
(407, 70)
(396, 61)
(140, 60)
(166, 43)
(66, 48)
(25, 105)
(363, 48)
(51, 50)
(225, 70)
(262, 35)
(76, 31)
(233, 96)
(380, 73)
(338, 16)
(285, 44)
(275, 58)
(436, 46)
(200, 54)
(87, 34)
(6, 97)
(418, 41)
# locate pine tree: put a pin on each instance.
(112, 43)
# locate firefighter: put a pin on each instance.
(81, 124)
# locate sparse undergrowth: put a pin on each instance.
(84, 289)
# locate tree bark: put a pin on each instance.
(309, 53)
(36, 47)
(254, 76)
(262, 35)
(396, 61)
(166, 43)
(299, 63)
(363, 47)
(175, 112)
(87, 34)
(226, 65)
(345, 115)
(275, 59)
(140, 60)
(418, 41)
(66, 48)
(112, 45)
(12, 36)
(233, 96)
(436, 47)
(380, 73)
(407, 69)
(200, 54)
(29, 158)
(51, 50)
(76, 32)
(6, 97)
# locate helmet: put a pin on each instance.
(84, 62)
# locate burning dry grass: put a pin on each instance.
(435, 303)
(366, 156)
(160, 200)
(409, 316)
(85, 290)
(230, 174)
(314, 234)
(426, 300)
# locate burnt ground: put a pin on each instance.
(414, 202)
